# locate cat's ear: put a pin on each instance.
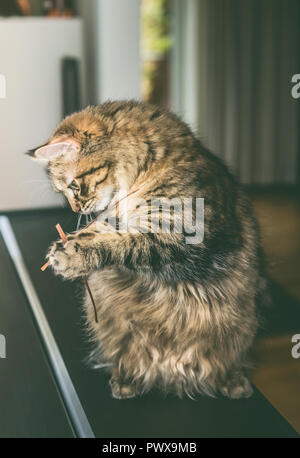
(55, 149)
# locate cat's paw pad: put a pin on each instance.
(237, 387)
(122, 391)
(66, 259)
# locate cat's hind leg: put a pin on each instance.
(236, 386)
(121, 389)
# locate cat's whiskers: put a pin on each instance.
(78, 222)
(112, 206)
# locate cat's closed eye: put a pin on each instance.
(74, 186)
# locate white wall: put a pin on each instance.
(88, 12)
(108, 42)
(118, 49)
(31, 50)
(112, 49)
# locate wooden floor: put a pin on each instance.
(277, 374)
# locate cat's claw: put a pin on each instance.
(67, 260)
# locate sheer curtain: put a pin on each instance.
(233, 65)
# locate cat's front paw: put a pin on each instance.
(67, 259)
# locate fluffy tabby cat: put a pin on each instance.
(172, 315)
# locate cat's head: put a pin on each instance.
(81, 163)
(103, 152)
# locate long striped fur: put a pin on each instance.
(173, 315)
